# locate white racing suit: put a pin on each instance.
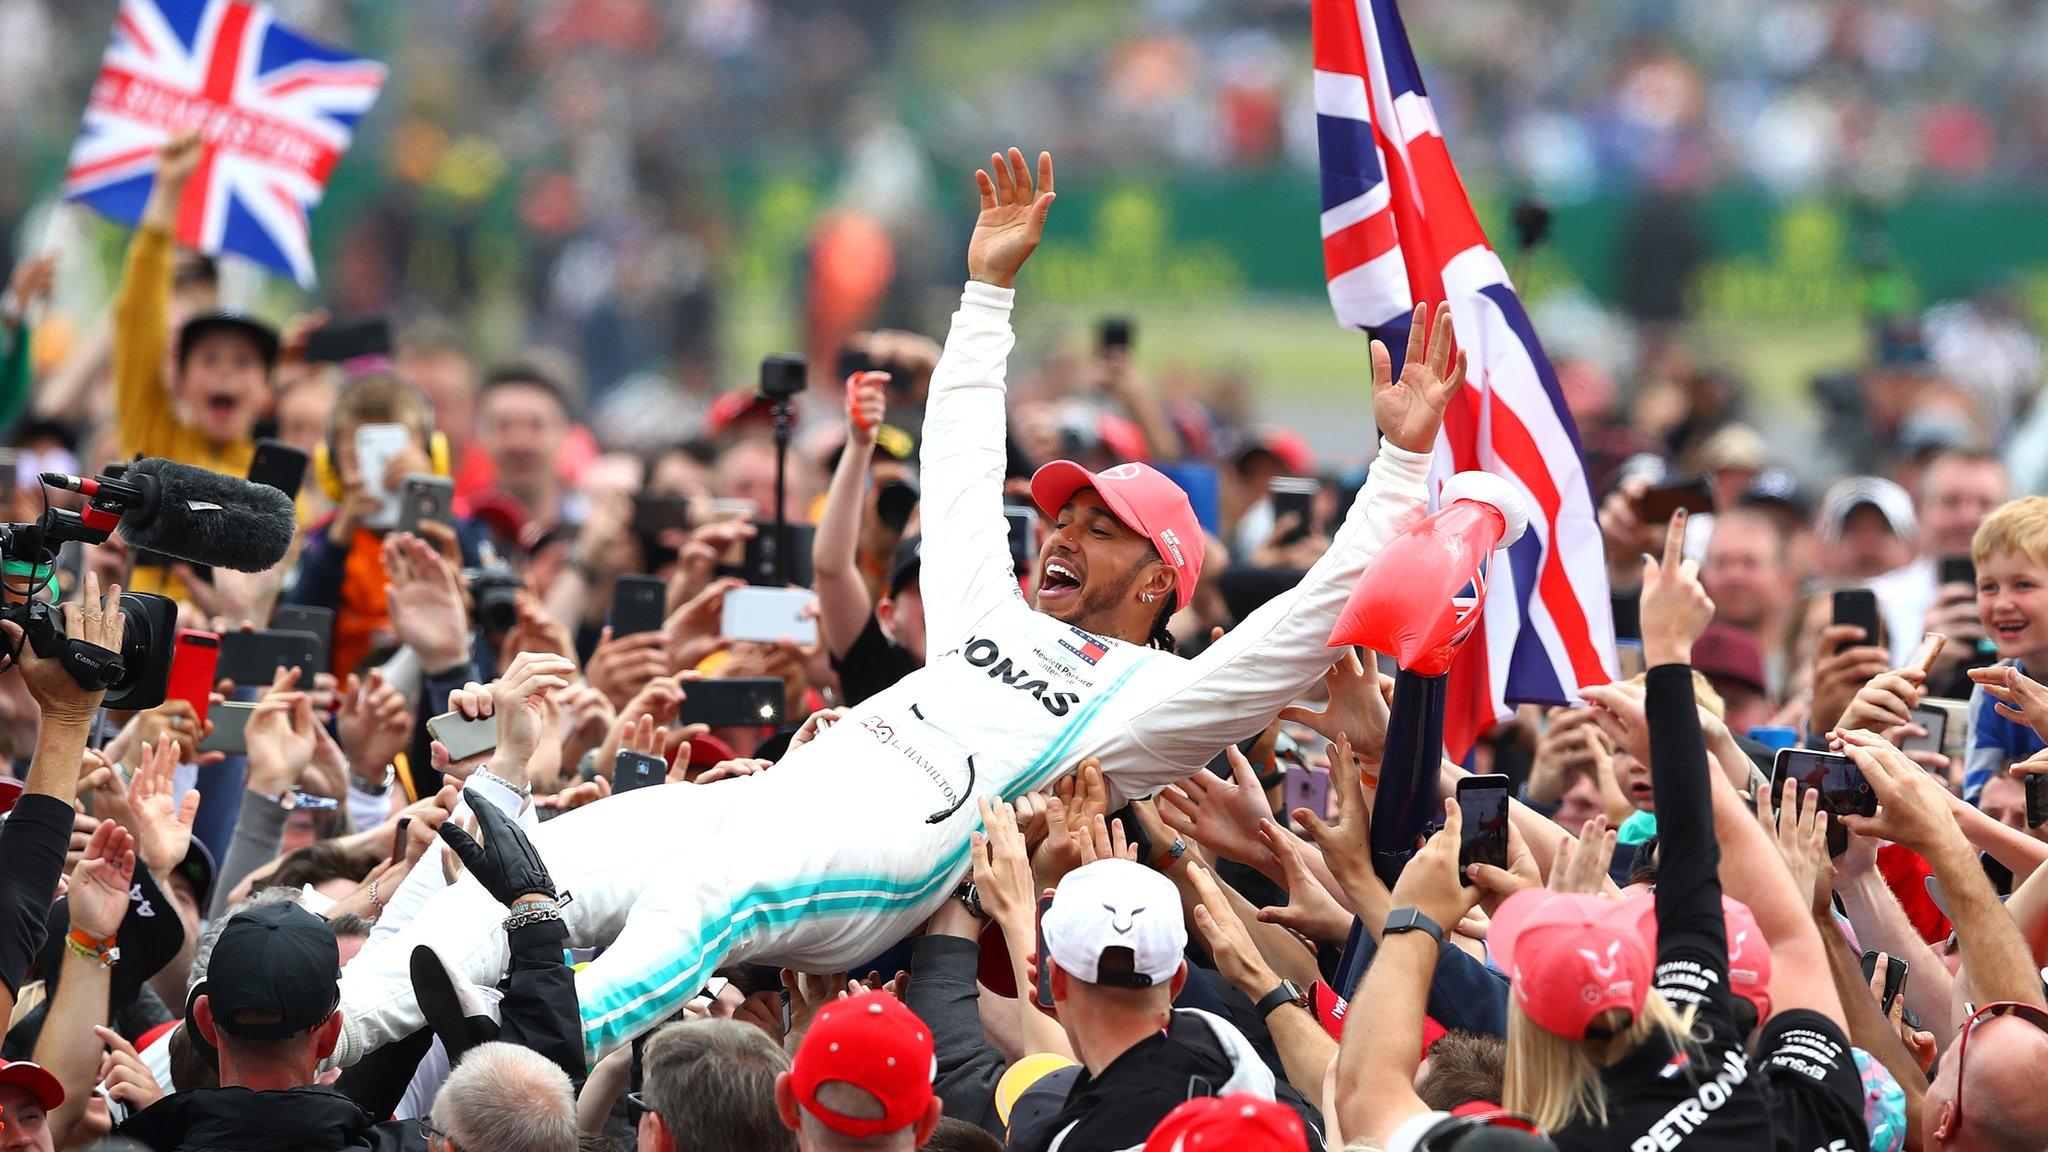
(852, 840)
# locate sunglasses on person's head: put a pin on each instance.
(2036, 1016)
(1447, 1134)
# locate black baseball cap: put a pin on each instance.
(198, 870)
(909, 559)
(276, 959)
(229, 320)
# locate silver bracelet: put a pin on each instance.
(532, 914)
(525, 791)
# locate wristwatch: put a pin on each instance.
(1409, 920)
(969, 895)
(1287, 993)
(380, 788)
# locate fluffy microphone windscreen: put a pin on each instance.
(210, 518)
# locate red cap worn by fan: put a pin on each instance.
(1143, 500)
(1570, 957)
(875, 1044)
(1239, 1122)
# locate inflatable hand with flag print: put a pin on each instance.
(1418, 601)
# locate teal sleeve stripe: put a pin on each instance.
(622, 1011)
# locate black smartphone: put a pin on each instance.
(1894, 979)
(1658, 504)
(230, 729)
(1935, 720)
(1843, 790)
(425, 500)
(639, 604)
(307, 618)
(338, 342)
(853, 362)
(1957, 570)
(757, 566)
(252, 658)
(2037, 800)
(1023, 524)
(632, 770)
(1042, 993)
(658, 512)
(278, 465)
(743, 702)
(1483, 803)
(1858, 606)
(1114, 334)
(1296, 496)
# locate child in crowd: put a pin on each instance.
(2011, 554)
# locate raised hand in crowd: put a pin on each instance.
(698, 560)
(537, 630)
(67, 709)
(1346, 845)
(1799, 831)
(1625, 538)
(427, 611)
(691, 631)
(1012, 220)
(1675, 608)
(1311, 911)
(161, 822)
(176, 159)
(122, 1072)
(2017, 696)
(501, 857)
(623, 665)
(1847, 660)
(1223, 815)
(519, 699)
(1360, 703)
(373, 724)
(281, 737)
(1581, 862)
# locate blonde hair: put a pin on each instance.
(1555, 1080)
(1702, 693)
(2015, 526)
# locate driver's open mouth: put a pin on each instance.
(1058, 579)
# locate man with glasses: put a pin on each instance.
(1996, 1064)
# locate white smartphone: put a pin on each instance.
(462, 736)
(376, 446)
(769, 615)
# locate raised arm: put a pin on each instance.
(967, 569)
(142, 407)
(844, 602)
(1280, 652)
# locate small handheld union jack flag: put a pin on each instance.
(275, 112)
(1397, 229)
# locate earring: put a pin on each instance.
(1147, 597)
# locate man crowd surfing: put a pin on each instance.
(959, 782)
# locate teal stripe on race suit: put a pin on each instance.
(624, 1011)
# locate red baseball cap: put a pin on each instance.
(34, 1079)
(874, 1043)
(1145, 501)
(1240, 1122)
(1569, 957)
(1749, 954)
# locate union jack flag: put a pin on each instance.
(275, 112)
(1397, 229)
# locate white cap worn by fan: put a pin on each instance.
(1116, 904)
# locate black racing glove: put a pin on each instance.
(506, 863)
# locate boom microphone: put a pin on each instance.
(191, 513)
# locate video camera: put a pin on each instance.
(185, 512)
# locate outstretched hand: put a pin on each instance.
(1012, 219)
(1411, 409)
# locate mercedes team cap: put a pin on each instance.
(275, 959)
(1145, 501)
(1570, 957)
(1102, 911)
(1846, 496)
(229, 320)
(1240, 1122)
